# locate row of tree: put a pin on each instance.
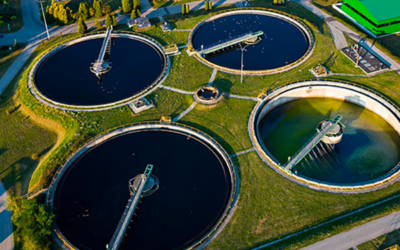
(129, 6)
(208, 5)
(110, 20)
(185, 9)
(56, 12)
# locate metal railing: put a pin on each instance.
(229, 42)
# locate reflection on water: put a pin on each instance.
(65, 76)
(194, 191)
(369, 147)
(281, 44)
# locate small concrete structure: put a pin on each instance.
(140, 105)
(365, 60)
(140, 22)
(207, 95)
(166, 27)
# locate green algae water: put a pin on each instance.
(369, 147)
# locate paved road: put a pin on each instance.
(6, 237)
(178, 8)
(333, 23)
(359, 235)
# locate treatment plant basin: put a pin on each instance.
(63, 76)
(284, 42)
(191, 200)
(362, 151)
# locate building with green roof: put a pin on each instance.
(381, 17)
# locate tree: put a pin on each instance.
(206, 5)
(133, 14)
(275, 2)
(108, 21)
(136, 5)
(126, 6)
(91, 11)
(63, 16)
(114, 21)
(183, 9)
(97, 6)
(187, 9)
(83, 11)
(32, 223)
(138, 13)
(82, 28)
(106, 9)
(98, 24)
(210, 5)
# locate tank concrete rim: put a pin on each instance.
(156, 126)
(68, 107)
(387, 179)
(201, 100)
(262, 11)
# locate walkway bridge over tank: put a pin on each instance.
(101, 66)
(302, 152)
(136, 195)
(250, 37)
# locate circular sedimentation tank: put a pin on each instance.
(65, 78)
(360, 154)
(284, 43)
(191, 196)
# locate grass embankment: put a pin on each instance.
(16, 24)
(383, 242)
(270, 206)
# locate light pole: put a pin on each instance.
(44, 18)
(241, 62)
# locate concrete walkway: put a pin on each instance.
(359, 235)
(177, 90)
(185, 112)
(337, 27)
(212, 77)
(242, 97)
(6, 228)
(242, 152)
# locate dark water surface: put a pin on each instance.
(65, 76)
(282, 43)
(194, 191)
(370, 147)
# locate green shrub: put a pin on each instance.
(13, 18)
(35, 157)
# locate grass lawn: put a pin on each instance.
(269, 206)
(21, 138)
(17, 24)
(7, 57)
(382, 242)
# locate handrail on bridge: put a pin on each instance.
(303, 151)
